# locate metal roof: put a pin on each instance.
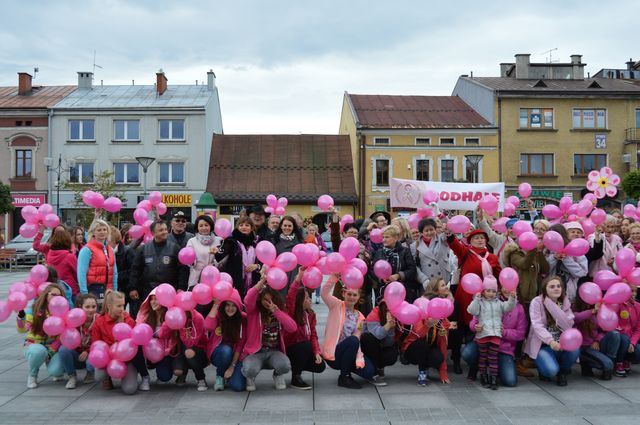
(596, 86)
(39, 98)
(131, 96)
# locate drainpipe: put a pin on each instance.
(361, 173)
(500, 140)
(49, 152)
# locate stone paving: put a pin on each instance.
(584, 401)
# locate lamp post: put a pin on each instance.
(474, 161)
(145, 162)
(58, 170)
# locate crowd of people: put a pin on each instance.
(499, 334)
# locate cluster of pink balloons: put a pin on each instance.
(20, 293)
(96, 200)
(421, 309)
(275, 205)
(142, 228)
(472, 283)
(554, 242)
(632, 211)
(583, 211)
(279, 265)
(33, 217)
(63, 322)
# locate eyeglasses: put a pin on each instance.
(180, 221)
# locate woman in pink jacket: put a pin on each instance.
(550, 315)
(267, 323)
(341, 347)
(629, 328)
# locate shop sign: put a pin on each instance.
(177, 200)
(23, 200)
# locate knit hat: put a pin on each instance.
(511, 222)
(490, 282)
(573, 225)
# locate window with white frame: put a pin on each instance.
(472, 141)
(589, 118)
(536, 118)
(80, 130)
(171, 129)
(171, 172)
(447, 140)
(447, 170)
(422, 169)
(126, 130)
(81, 172)
(381, 172)
(381, 141)
(126, 172)
(423, 140)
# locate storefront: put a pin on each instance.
(178, 202)
(14, 220)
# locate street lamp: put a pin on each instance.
(58, 170)
(474, 161)
(145, 162)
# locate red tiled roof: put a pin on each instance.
(382, 111)
(246, 168)
(39, 98)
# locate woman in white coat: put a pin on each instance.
(205, 244)
(431, 253)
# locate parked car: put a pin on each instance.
(25, 253)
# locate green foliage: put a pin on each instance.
(6, 201)
(631, 184)
(103, 183)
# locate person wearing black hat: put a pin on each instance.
(179, 234)
(258, 216)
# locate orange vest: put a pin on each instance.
(99, 271)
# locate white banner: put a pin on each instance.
(453, 196)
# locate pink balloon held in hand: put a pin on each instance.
(382, 269)
(223, 228)
(375, 235)
(325, 202)
(570, 340)
(187, 256)
(524, 190)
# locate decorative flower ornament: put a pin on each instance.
(603, 183)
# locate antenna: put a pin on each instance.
(35, 71)
(550, 52)
(94, 62)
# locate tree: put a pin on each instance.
(103, 183)
(6, 201)
(631, 184)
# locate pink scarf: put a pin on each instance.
(486, 267)
(248, 258)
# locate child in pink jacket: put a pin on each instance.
(629, 328)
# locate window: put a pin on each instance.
(82, 172)
(539, 164)
(381, 141)
(126, 172)
(637, 118)
(473, 170)
(423, 140)
(23, 163)
(28, 123)
(171, 129)
(536, 118)
(126, 130)
(382, 172)
(473, 141)
(447, 170)
(589, 118)
(171, 172)
(447, 141)
(422, 169)
(81, 130)
(583, 163)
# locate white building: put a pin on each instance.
(101, 128)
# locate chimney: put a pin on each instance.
(522, 65)
(211, 80)
(578, 67)
(85, 80)
(24, 83)
(161, 82)
(630, 64)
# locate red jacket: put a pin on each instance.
(439, 336)
(66, 264)
(102, 329)
(99, 271)
(305, 331)
(192, 335)
(39, 246)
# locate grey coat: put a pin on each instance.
(433, 260)
(489, 314)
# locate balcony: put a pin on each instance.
(632, 135)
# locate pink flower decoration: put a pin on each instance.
(603, 183)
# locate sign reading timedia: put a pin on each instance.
(23, 200)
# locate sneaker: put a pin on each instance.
(347, 381)
(493, 382)
(89, 378)
(380, 372)
(219, 384)
(627, 366)
(251, 384)
(378, 381)
(202, 385)
(71, 383)
(561, 380)
(144, 384)
(298, 383)
(422, 378)
(107, 384)
(619, 370)
(181, 380)
(32, 382)
(278, 381)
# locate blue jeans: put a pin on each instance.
(602, 359)
(70, 362)
(164, 368)
(550, 363)
(37, 355)
(623, 353)
(506, 364)
(345, 359)
(221, 358)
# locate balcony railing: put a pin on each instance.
(632, 135)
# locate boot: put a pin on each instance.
(606, 375)
(561, 379)
(493, 379)
(484, 380)
(523, 371)
(473, 373)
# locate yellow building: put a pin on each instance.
(554, 125)
(431, 138)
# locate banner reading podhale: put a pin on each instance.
(453, 196)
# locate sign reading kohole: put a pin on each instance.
(177, 200)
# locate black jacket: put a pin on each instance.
(405, 267)
(158, 263)
(229, 258)
(180, 240)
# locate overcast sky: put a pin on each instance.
(282, 67)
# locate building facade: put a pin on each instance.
(431, 138)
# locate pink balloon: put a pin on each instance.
(325, 202)
(347, 218)
(489, 203)
(394, 294)
(521, 227)
(112, 204)
(577, 247)
(312, 278)
(272, 201)
(605, 278)
(211, 274)
(165, 295)
(634, 276)
(430, 196)
(335, 262)
(349, 248)
(121, 331)
(58, 306)
(590, 293)
(598, 216)
(551, 212)
(136, 231)
(413, 221)
(141, 334)
(126, 350)
(375, 235)
(513, 200)
(38, 274)
(352, 278)
(51, 221)
(283, 202)
(570, 340)
(153, 351)
(140, 216)
(187, 256)
(553, 241)
(584, 208)
(184, 301)
(440, 308)
(117, 369)
(279, 210)
(628, 211)
(625, 261)
(321, 264)
(42, 287)
(382, 269)
(5, 311)
(306, 254)
(222, 290)
(175, 318)
(18, 287)
(99, 345)
(98, 358)
(223, 228)
(75, 317)
(565, 204)
(424, 212)
(618, 293)
(30, 291)
(528, 241)
(407, 313)
(458, 224)
(471, 283)
(524, 190)
(28, 230)
(509, 279)
(423, 305)
(360, 265)
(155, 198)
(70, 338)
(96, 200)
(44, 210)
(607, 318)
(30, 214)
(277, 278)
(161, 208)
(509, 210)
(226, 277)
(145, 205)
(500, 225)
(287, 261)
(17, 301)
(53, 325)
(202, 294)
(266, 252)
(588, 227)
